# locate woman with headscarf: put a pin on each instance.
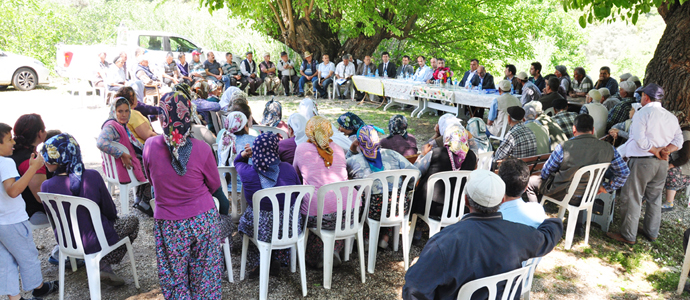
(679, 165)
(138, 125)
(286, 148)
(399, 140)
(309, 109)
(273, 115)
(372, 158)
(562, 75)
(350, 124)
(62, 156)
(29, 132)
(115, 130)
(184, 176)
(317, 162)
(267, 171)
(232, 140)
(453, 155)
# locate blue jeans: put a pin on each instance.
(303, 80)
(323, 89)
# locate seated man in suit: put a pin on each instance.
(405, 70)
(467, 78)
(483, 78)
(386, 67)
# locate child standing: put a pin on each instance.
(17, 248)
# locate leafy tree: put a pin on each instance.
(670, 66)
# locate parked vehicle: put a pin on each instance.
(81, 61)
(22, 72)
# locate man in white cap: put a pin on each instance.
(482, 244)
(608, 100)
(620, 112)
(625, 76)
(598, 111)
(268, 74)
(581, 84)
(541, 132)
(248, 70)
(530, 91)
(497, 110)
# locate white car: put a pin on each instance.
(22, 72)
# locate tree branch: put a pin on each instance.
(278, 18)
(308, 11)
(291, 20)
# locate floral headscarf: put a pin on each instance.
(446, 121)
(319, 132)
(368, 137)
(308, 108)
(113, 116)
(265, 159)
(231, 96)
(298, 123)
(398, 126)
(455, 139)
(63, 150)
(351, 121)
(176, 120)
(234, 122)
(273, 113)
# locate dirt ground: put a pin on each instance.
(602, 270)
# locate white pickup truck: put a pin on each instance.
(81, 61)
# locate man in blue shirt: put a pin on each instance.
(423, 73)
(308, 72)
(515, 174)
(605, 80)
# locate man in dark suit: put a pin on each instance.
(483, 78)
(469, 75)
(406, 68)
(388, 67)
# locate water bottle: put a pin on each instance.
(479, 87)
(377, 72)
(512, 91)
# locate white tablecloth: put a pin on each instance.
(474, 98)
(371, 85)
(399, 89)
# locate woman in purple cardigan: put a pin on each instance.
(62, 156)
(184, 176)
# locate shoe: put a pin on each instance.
(620, 238)
(111, 279)
(383, 244)
(68, 265)
(666, 207)
(53, 286)
(148, 211)
(253, 94)
(286, 94)
(270, 93)
(253, 274)
(300, 95)
(644, 233)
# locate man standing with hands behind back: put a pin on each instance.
(654, 134)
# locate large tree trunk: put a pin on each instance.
(670, 66)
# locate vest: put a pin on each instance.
(582, 150)
(504, 101)
(599, 113)
(556, 134)
(440, 162)
(542, 136)
(136, 164)
(249, 68)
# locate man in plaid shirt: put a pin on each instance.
(563, 117)
(520, 141)
(621, 111)
(582, 83)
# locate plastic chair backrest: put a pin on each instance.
(400, 180)
(69, 235)
(235, 212)
(550, 111)
(532, 265)
(291, 213)
(275, 130)
(353, 200)
(216, 119)
(596, 175)
(484, 161)
(513, 280)
(454, 202)
(110, 167)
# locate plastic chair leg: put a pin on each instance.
(243, 260)
(328, 246)
(406, 243)
(683, 273)
(73, 262)
(264, 269)
(124, 198)
(561, 212)
(94, 276)
(347, 249)
(360, 248)
(293, 259)
(587, 226)
(374, 228)
(228, 259)
(61, 271)
(302, 270)
(128, 244)
(570, 231)
(396, 237)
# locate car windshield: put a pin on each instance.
(178, 44)
(151, 42)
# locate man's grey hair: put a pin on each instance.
(580, 70)
(482, 209)
(347, 56)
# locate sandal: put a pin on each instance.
(666, 207)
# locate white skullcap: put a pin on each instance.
(521, 75)
(625, 76)
(628, 86)
(604, 92)
(537, 106)
(595, 94)
(485, 188)
(504, 85)
(446, 121)
(634, 78)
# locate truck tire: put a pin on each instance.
(3, 87)
(25, 79)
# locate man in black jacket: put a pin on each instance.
(387, 67)
(467, 78)
(482, 244)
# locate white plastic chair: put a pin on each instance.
(596, 175)
(339, 88)
(527, 282)
(684, 272)
(233, 195)
(262, 128)
(289, 227)
(216, 120)
(68, 236)
(484, 160)
(513, 279)
(400, 179)
(347, 227)
(504, 130)
(112, 178)
(453, 202)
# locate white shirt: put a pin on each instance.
(469, 77)
(286, 71)
(12, 210)
(325, 69)
(423, 74)
(115, 75)
(518, 211)
(345, 71)
(652, 126)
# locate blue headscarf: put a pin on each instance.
(63, 150)
(351, 121)
(265, 159)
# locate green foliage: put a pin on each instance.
(612, 10)
(664, 281)
(33, 28)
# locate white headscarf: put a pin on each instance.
(298, 123)
(308, 108)
(138, 88)
(446, 121)
(234, 122)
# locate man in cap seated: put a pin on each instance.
(530, 91)
(541, 132)
(563, 117)
(249, 72)
(482, 244)
(625, 76)
(520, 141)
(620, 112)
(598, 111)
(499, 106)
(607, 100)
(268, 74)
